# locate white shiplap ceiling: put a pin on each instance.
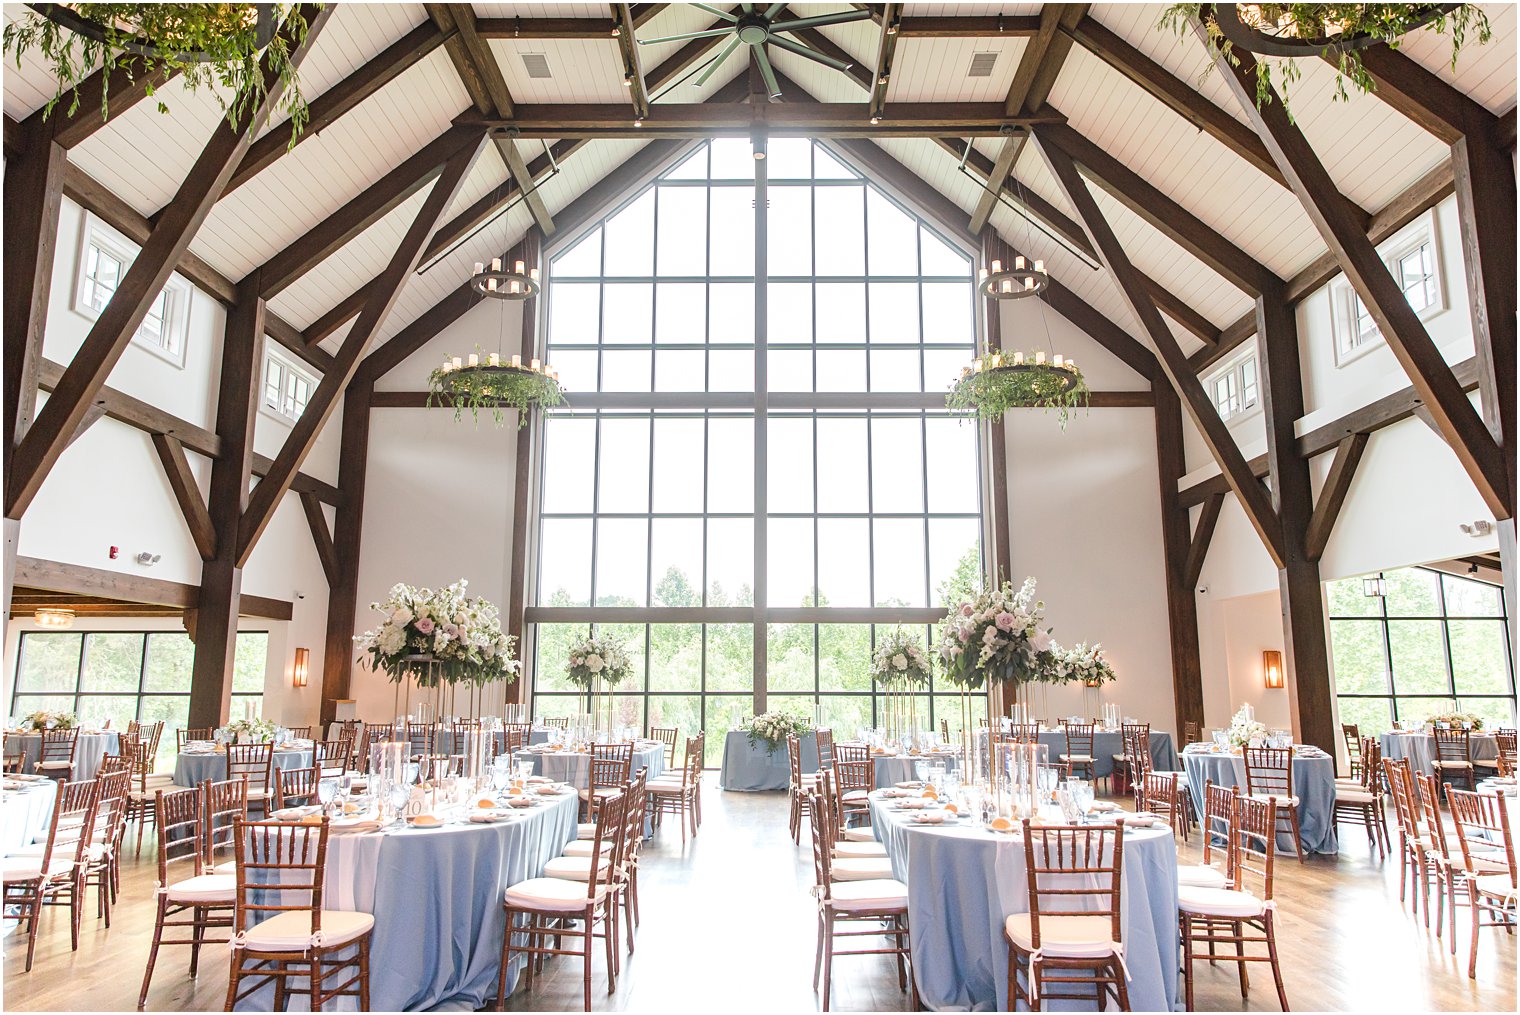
(1371, 151)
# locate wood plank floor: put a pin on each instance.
(727, 920)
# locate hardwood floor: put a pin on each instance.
(729, 920)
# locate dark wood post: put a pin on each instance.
(343, 588)
(1181, 604)
(530, 251)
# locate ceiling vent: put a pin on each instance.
(981, 65)
(537, 65)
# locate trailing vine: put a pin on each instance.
(1001, 385)
(494, 388)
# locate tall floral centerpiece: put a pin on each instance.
(599, 664)
(899, 667)
(440, 637)
(1084, 664)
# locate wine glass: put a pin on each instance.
(399, 794)
(1082, 795)
(327, 791)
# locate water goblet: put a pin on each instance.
(327, 791)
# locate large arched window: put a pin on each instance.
(756, 471)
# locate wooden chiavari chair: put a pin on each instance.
(1353, 738)
(255, 764)
(1412, 845)
(15, 755)
(103, 870)
(226, 804)
(1504, 741)
(1363, 801)
(142, 793)
(1454, 756)
(798, 788)
(1444, 862)
(879, 905)
(666, 735)
(346, 729)
(55, 877)
(296, 787)
(944, 731)
(559, 722)
(681, 796)
(1192, 733)
(1218, 812)
(1217, 917)
(860, 847)
(1071, 938)
(824, 739)
(184, 735)
(1482, 823)
(523, 729)
(853, 780)
(1021, 733)
(1269, 773)
(420, 739)
(57, 758)
(186, 888)
(1124, 778)
(611, 766)
(548, 905)
(299, 732)
(1159, 795)
(289, 940)
(1137, 762)
(1079, 749)
(331, 757)
(850, 752)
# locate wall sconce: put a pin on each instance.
(1272, 668)
(302, 667)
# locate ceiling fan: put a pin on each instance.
(756, 26)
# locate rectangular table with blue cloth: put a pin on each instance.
(751, 768)
(436, 895)
(963, 884)
(1420, 750)
(1107, 744)
(1313, 783)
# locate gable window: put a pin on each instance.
(103, 262)
(287, 388)
(1413, 257)
(1234, 388)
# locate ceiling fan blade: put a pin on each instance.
(766, 70)
(773, 10)
(716, 12)
(717, 62)
(843, 17)
(689, 35)
(747, 8)
(811, 54)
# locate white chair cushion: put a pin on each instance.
(208, 889)
(149, 795)
(555, 894)
(55, 766)
(158, 779)
(1483, 865)
(859, 835)
(291, 931)
(668, 788)
(1196, 875)
(583, 847)
(586, 794)
(1219, 902)
(259, 793)
(862, 869)
(1073, 937)
(573, 868)
(1077, 757)
(855, 796)
(29, 868)
(1119, 757)
(1282, 801)
(876, 893)
(1451, 764)
(1353, 796)
(1486, 762)
(858, 850)
(1497, 885)
(585, 830)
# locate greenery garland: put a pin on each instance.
(1000, 386)
(493, 388)
(1383, 22)
(213, 46)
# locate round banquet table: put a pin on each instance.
(894, 768)
(25, 814)
(752, 768)
(191, 768)
(964, 882)
(575, 768)
(1313, 782)
(436, 896)
(1106, 744)
(1420, 750)
(88, 752)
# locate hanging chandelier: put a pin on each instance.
(997, 381)
(498, 283)
(1022, 280)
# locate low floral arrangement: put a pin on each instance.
(596, 660)
(774, 727)
(1084, 664)
(900, 662)
(45, 720)
(1457, 720)
(494, 387)
(251, 731)
(1244, 729)
(439, 635)
(996, 636)
(996, 383)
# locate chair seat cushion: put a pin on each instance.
(554, 894)
(856, 796)
(1077, 757)
(1219, 902)
(587, 794)
(1484, 865)
(1486, 762)
(585, 830)
(573, 868)
(208, 889)
(583, 847)
(29, 868)
(1196, 875)
(1353, 796)
(55, 766)
(158, 779)
(291, 931)
(1497, 885)
(1073, 937)
(859, 835)
(862, 869)
(668, 788)
(869, 894)
(1282, 801)
(94, 852)
(859, 850)
(1451, 764)
(1119, 758)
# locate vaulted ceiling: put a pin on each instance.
(1197, 153)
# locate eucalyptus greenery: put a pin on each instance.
(212, 46)
(1001, 386)
(1328, 22)
(496, 389)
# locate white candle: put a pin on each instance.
(512, 286)
(519, 268)
(982, 274)
(516, 361)
(1059, 359)
(1018, 263)
(997, 267)
(494, 360)
(474, 360)
(535, 362)
(448, 364)
(479, 267)
(533, 274)
(1039, 266)
(457, 363)
(495, 264)
(1039, 358)
(491, 284)
(1018, 359)
(1007, 285)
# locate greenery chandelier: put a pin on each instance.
(997, 381)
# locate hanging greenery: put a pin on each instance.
(216, 46)
(494, 388)
(995, 383)
(1336, 31)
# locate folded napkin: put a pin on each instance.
(354, 827)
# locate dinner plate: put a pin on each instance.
(1102, 806)
(412, 822)
(1010, 830)
(933, 818)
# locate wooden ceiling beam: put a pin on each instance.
(76, 116)
(699, 121)
(1203, 535)
(1480, 454)
(535, 29)
(633, 67)
(1332, 496)
(1423, 97)
(952, 27)
(35, 572)
(321, 536)
(192, 505)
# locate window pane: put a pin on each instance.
(841, 312)
(955, 558)
(731, 465)
(623, 477)
(682, 231)
(171, 656)
(730, 657)
(569, 448)
(952, 465)
(112, 662)
(898, 556)
(565, 562)
(117, 709)
(1471, 599)
(790, 463)
(789, 240)
(789, 370)
(789, 313)
(577, 370)
(939, 257)
(582, 260)
(632, 637)
(895, 370)
(626, 370)
(1495, 712)
(1356, 651)
(733, 231)
(1412, 592)
(1372, 716)
(840, 230)
(622, 561)
(693, 167)
(841, 369)
(789, 662)
(680, 370)
(730, 562)
(675, 664)
(894, 311)
(250, 662)
(733, 158)
(1419, 657)
(678, 451)
(947, 312)
(789, 158)
(789, 550)
(897, 464)
(892, 237)
(1416, 711)
(1478, 659)
(173, 712)
(675, 548)
(1346, 599)
(826, 167)
(554, 641)
(844, 656)
(680, 312)
(630, 238)
(730, 371)
(49, 662)
(844, 562)
(575, 312)
(843, 482)
(683, 713)
(731, 312)
(627, 312)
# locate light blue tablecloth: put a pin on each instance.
(88, 751)
(25, 814)
(1106, 745)
(575, 769)
(192, 769)
(436, 895)
(1313, 782)
(1420, 749)
(964, 882)
(901, 768)
(749, 769)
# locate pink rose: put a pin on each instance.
(966, 610)
(425, 625)
(1040, 640)
(1004, 621)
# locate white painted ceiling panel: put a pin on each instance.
(583, 70)
(936, 70)
(1485, 72)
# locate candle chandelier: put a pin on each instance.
(1021, 280)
